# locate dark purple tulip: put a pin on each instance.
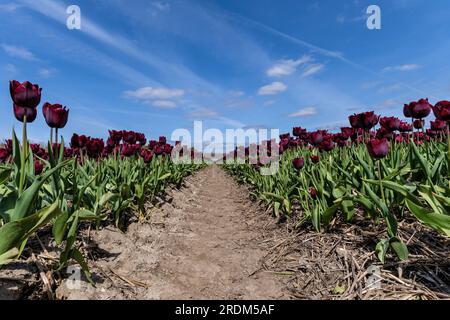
(384, 133)
(26, 95)
(390, 123)
(162, 140)
(313, 192)
(405, 127)
(115, 136)
(140, 137)
(315, 159)
(94, 147)
(438, 125)
(378, 148)
(442, 110)
(129, 150)
(326, 145)
(356, 121)
(21, 112)
(38, 167)
(158, 150)
(369, 120)
(152, 144)
(167, 149)
(299, 132)
(419, 124)
(298, 163)
(347, 132)
(129, 137)
(417, 110)
(4, 154)
(285, 136)
(55, 115)
(316, 138)
(147, 155)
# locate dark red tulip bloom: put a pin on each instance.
(442, 110)
(369, 120)
(68, 153)
(158, 150)
(347, 132)
(129, 137)
(384, 133)
(21, 112)
(4, 154)
(316, 138)
(55, 115)
(38, 167)
(417, 110)
(378, 148)
(168, 149)
(298, 163)
(152, 144)
(313, 192)
(25, 95)
(299, 132)
(438, 125)
(147, 155)
(78, 142)
(356, 121)
(37, 150)
(116, 136)
(162, 140)
(315, 159)
(94, 147)
(419, 124)
(285, 136)
(432, 133)
(326, 145)
(110, 143)
(140, 137)
(129, 150)
(390, 123)
(405, 127)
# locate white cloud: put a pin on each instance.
(161, 6)
(286, 67)
(164, 104)
(273, 88)
(312, 69)
(402, 68)
(203, 113)
(150, 93)
(18, 52)
(310, 111)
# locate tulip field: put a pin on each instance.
(63, 187)
(381, 168)
(397, 170)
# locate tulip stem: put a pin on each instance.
(24, 155)
(381, 184)
(51, 137)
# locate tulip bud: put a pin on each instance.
(378, 148)
(298, 163)
(55, 115)
(25, 95)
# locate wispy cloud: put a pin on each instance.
(304, 112)
(164, 104)
(286, 67)
(11, 69)
(203, 113)
(312, 69)
(160, 5)
(9, 7)
(46, 72)
(271, 89)
(18, 52)
(150, 93)
(402, 68)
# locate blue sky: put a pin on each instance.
(154, 66)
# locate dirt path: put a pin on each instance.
(206, 244)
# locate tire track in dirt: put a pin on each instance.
(206, 244)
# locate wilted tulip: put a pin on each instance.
(298, 163)
(21, 112)
(378, 148)
(55, 115)
(442, 110)
(25, 95)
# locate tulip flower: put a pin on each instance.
(419, 124)
(316, 138)
(299, 132)
(438, 125)
(94, 147)
(298, 163)
(129, 137)
(315, 159)
(313, 192)
(158, 150)
(378, 148)
(384, 133)
(405, 127)
(147, 155)
(369, 120)
(285, 136)
(390, 123)
(417, 110)
(162, 140)
(326, 145)
(442, 110)
(152, 144)
(168, 149)
(4, 154)
(25, 115)
(356, 121)
(38, 167)
(25, 95)
(115, 136)
(55, 115)
(347, 132)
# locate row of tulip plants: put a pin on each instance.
(386, 173)
(61, 187)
